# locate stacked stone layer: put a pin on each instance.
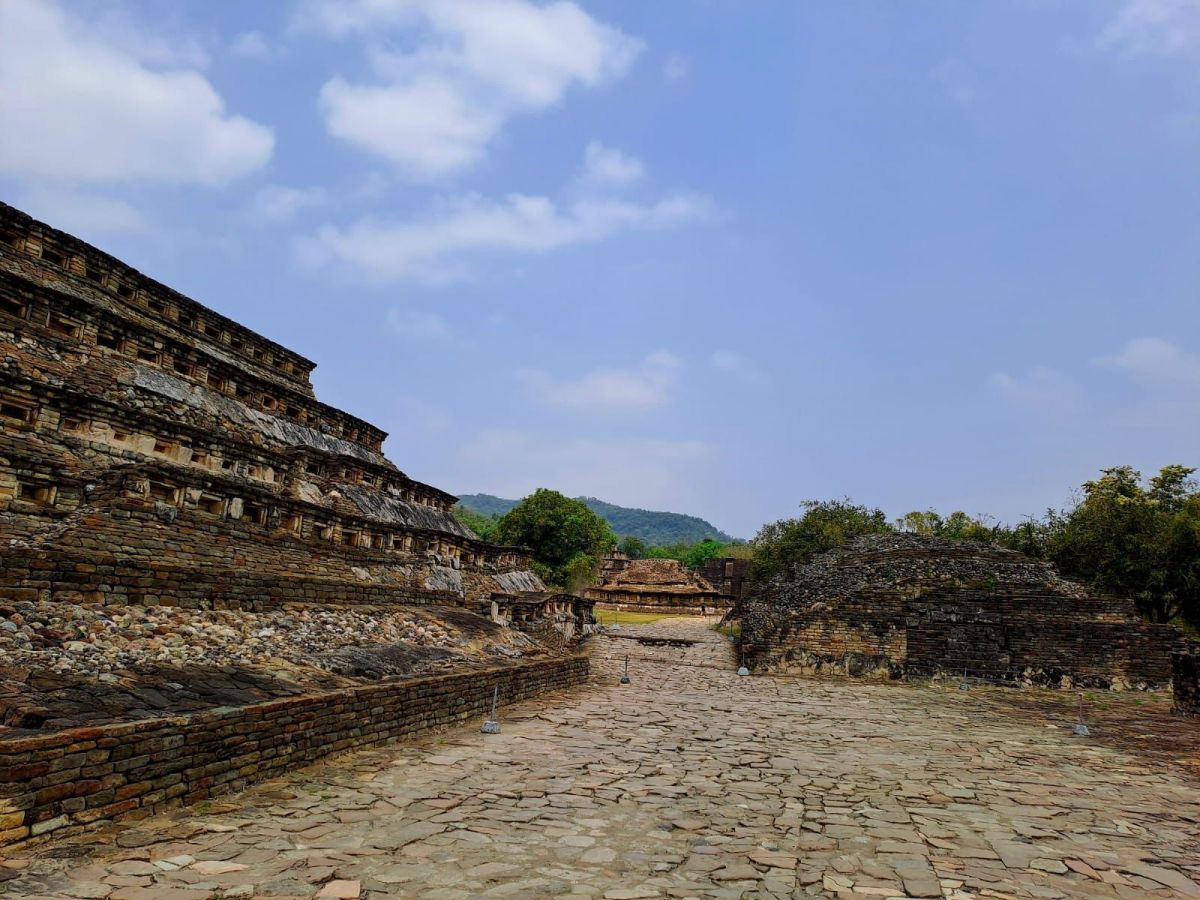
(64, 782)
(900, 605)
(153, 451)
(203, 565)
(655, 585)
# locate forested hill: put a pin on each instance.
(655, 528)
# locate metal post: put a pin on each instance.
(1081, 729)
(491, 726)
(625, 677)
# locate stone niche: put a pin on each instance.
(890, 606)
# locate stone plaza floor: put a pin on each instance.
(687, 782)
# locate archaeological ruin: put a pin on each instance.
(656, 585)
(185, 528)
(898, 605)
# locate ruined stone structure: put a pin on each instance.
(730, 577)
(155, 452)
(612, 563)
(63, 782)
(206, 574)
(895, 605)
(1185, 681)
(657, 585)
(538, 612)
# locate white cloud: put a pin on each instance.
(439, 246)
(115, 27)
(426, 128)
(1154, 26)
(279, 203)
(675, 68)
(609, 390)
(249, 45)
(75, 108)
(433, 109)
(85, 214)
(417, 325)
(737, 365)
(647, 473)
(1159, 362)
(607, 167)
(1042, 391)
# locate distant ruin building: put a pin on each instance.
(657, 585)
(155, 452)
(730, 577)
(896, 605)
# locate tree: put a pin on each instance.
(957, 526)
(633, 547)
(825, 525)
(482, 525)
(565, 538)
(1135, 541)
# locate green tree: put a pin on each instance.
(565, 538)
(633, 547)
(825, 525)
(482, 525)
(1134, 540)
(701, 552)
(956, 526)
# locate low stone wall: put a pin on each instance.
(58, 784)
(111, 580)
(663, 610)
(1185, 682)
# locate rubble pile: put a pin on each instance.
(89, 640)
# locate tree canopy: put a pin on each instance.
(565, 538)
(482, 525)
(1124, 536)
(1134, 539)
(825, 525)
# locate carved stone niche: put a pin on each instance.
(136, 485)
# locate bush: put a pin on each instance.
(564, 537)
(824, 526)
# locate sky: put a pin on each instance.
(710, 256)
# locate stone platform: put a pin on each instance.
(692, 782)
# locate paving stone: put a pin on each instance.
(691, 782)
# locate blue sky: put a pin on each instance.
(715, 257)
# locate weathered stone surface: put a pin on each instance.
(887, 606)
(691, 782)
(656, 585)
(154, 452)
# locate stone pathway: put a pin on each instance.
(688, 782)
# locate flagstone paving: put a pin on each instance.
(687, 782)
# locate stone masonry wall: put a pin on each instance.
(901, 605)
(61, 783)
(1185, 682)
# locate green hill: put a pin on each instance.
(655, 528)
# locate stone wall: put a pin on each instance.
(730, 576)
(906, 605)
(146, 438)
(1185, 682)
(61, 783)
(657, 585)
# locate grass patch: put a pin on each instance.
(616, 617)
